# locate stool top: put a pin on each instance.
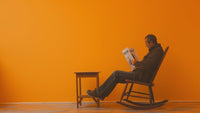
(86, 72)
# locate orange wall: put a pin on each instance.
(42, 42)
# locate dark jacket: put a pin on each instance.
(150, 62)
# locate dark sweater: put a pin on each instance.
(150, 62)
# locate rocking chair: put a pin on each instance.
(142, 105)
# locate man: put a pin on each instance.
(149, 64)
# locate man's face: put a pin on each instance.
(150, 44)
(147, 44)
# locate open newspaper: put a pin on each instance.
(129, 57)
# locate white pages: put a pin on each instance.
(129, 57)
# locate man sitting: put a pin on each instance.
(149, 64)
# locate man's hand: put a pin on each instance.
(131, 49)
(133, 62)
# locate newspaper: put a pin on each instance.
(129, 57)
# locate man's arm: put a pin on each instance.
(150, 61)
(133, 62)
(131, 51)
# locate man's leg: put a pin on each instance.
(116, 77)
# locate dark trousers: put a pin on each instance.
(116, 77)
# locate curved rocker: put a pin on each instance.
(147, 104)
(142, 106)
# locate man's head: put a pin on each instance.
(150, 40)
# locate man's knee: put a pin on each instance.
(116, 73)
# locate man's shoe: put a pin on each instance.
(94, 94)
(91, 93)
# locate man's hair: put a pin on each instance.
(152, 38)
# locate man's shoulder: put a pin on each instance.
(159, 48)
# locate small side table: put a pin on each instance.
(79, 96)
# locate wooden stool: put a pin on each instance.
(79, 96)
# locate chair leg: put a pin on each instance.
(130, 90)
(151, 100)
(123, 92)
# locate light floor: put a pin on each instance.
(90, 107)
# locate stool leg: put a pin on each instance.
(98, 101)
(80, 90)
(77, 92)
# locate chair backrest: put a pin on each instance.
(154, 74)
